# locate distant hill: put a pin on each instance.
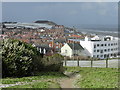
(46, 22)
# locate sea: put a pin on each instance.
(104, 32)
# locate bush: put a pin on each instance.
(53, 63)
(19, 58)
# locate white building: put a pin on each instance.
(100, 47)
(27, 25)
(72, 49)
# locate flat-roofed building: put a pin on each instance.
(101, 47)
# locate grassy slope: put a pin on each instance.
(90, 78)
(40, 76)
(97, 77)
(39, 84)
(44, 80)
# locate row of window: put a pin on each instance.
(105, 44)
(105, 55)
(106, 50)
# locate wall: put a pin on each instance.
(69, 50)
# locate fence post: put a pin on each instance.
(107, 63)
(91, 62)
(65, 61)
(77, 62)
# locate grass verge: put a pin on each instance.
(39, 84)
(39, 76)
(96, 77)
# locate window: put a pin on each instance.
(94, 50)
(105, 50)
(94, 46)
(111, 44)
(105, 55)
(101, 56)
(111, 49)
(101, 51)
(105, 44)
(101, 44)
(97, 50)
(108, 50)
(97, 56)
(98, 45)
(111, 54)
(108, 44)
(65, 51)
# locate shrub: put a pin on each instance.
(19, 58)
(53, 63)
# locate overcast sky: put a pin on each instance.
(66, 13)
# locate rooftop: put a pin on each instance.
(75, 46)
(101, 38)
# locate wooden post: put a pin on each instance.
(65, 61)
(91, 62)
(77, 62)
(107, 63)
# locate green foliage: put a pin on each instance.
(96, 77)
(19, 58)
(53, 63)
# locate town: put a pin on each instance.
(59, 44)
(50, 38)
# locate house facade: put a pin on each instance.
(72, 49)
(101, 47)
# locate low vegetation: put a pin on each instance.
(40, 84)
(41, 80)
(96, 77)
(39, 76)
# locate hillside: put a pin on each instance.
(46, 22)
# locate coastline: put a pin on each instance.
(100, 32)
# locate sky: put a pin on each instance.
(63, 13)
(0, 12)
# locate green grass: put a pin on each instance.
(33, 85)
(42, 84)
(40, 76)
(90, 78)
(96, 77)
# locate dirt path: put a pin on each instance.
(70, 82)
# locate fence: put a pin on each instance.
(100, 63)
